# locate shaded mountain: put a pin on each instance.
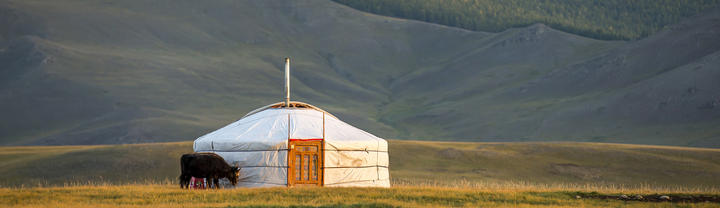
(657, 90)
(606, 20)
(128, 72)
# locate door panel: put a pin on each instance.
(305, 163)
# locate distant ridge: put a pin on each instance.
(606, 20)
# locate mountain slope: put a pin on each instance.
(606, 19)
(659, 90)
(174, 70)
(76, 72)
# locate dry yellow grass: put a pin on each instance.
(481, 195)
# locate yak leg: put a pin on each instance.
(216, 181)
(184, 181)
(187, 181)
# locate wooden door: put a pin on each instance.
(305, 162)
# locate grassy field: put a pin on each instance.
(411, 163)
(438, 174)
(158, 195)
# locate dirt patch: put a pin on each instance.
(574, 170)
(451, 153)
(674, 198)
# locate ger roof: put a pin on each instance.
(291, 104)
(270, 127)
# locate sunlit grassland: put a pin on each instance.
(169, 195)
(435, 174)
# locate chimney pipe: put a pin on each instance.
(287, 82)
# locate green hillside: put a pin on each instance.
(411, 163)
(601, 19)
(89, 72)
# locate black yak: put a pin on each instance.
(206, 165)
